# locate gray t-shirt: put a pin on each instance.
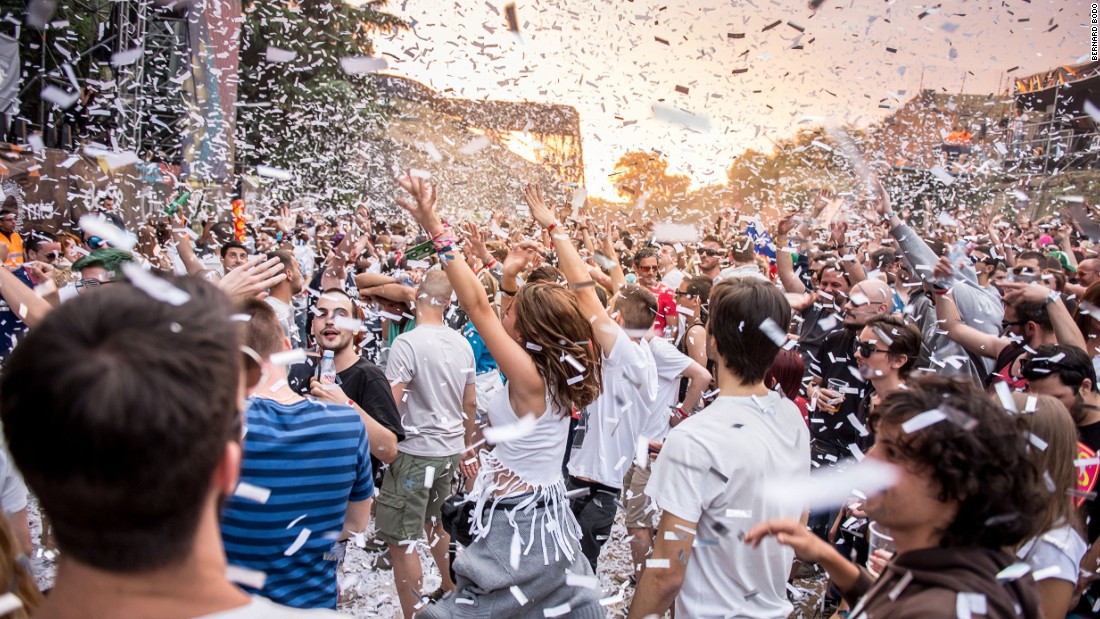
(436, 363)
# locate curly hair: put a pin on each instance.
(978, 457)
(557, 335)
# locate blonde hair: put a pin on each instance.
(1052, 423)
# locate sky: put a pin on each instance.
(615, 60)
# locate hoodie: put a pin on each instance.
(936, 578)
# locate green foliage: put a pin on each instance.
(307, 116)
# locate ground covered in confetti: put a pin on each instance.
(369, 590)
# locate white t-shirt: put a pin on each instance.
(13, 492)
(614, 421)
(263, 608)
(670, 364)
(436, 363)
(714, 469)
(1062, 547)
(285, 313)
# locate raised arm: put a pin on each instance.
(784, 262)
(526, 386)
(570, 263)
(1065, 329)
(22, 299)
(973, 340)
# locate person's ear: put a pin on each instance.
(1086, 386)
(228, 471)
(897, 361)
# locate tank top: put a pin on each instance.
(532, 455)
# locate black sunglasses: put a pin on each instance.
(709, 252)
(1006, 325)
(1043, 367)
(866, 349)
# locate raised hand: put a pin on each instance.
(542, 213)
(422, 205)
(785, 225)
(520, 256)
(252, 278)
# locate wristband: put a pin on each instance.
(442, 231)
(351, 402)
(1051, 298)
(508, 293)
(492, 263)
(550, 228)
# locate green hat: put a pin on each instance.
(109, 258)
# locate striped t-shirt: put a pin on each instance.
(313, 457)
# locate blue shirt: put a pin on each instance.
(483, 359)
(314, 458)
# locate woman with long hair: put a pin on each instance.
(1057, 541)
(525, 537)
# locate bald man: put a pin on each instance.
(1088, 273)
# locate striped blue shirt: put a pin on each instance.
(313, 457)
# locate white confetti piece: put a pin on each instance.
(97, 225)
(429, 476)
(59, 97)
(834, 486)
(273, 172)
(357, 65)
(969, 604)
(681, 233)
(739, 513)
(657, 563)
(347, 323)
(676, 116)
(300, 541)
(276, 55)
(503, 434)
(154, 286)
(516, 550)
(777, 335)
(248, 491)
(557, 611)
(1052, 571)
(9, 602)
(518, 594)
(1013, 572)
(127, 57)
(581, 580)
(475, 145)
(923, 420)
(288, 357)
(244, 576)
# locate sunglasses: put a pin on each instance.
(1038, 369)
(51, 256)
(866, 349)
(1006, 325)
(685, 294)
(652, 269)
(84, 284)
(709, 252)
(95, 242)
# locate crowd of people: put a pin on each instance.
(207, 419)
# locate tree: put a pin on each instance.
(306, 115)
(640, 174)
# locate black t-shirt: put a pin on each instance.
(1090, 436)
(817, 322)
(364, 383)
(833, 433)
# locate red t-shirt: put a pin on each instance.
(666, 304)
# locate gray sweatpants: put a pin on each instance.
(489, 587)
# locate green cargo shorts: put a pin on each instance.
(407, 501)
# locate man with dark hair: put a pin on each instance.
(143, 399)
(233, 255)
(306, 480)
(359, 383)
(707, 494)
(42, 247)
(964, 489)
(743, 259)
(666, 319)
(711, 253)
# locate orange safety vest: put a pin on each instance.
(15, 250)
